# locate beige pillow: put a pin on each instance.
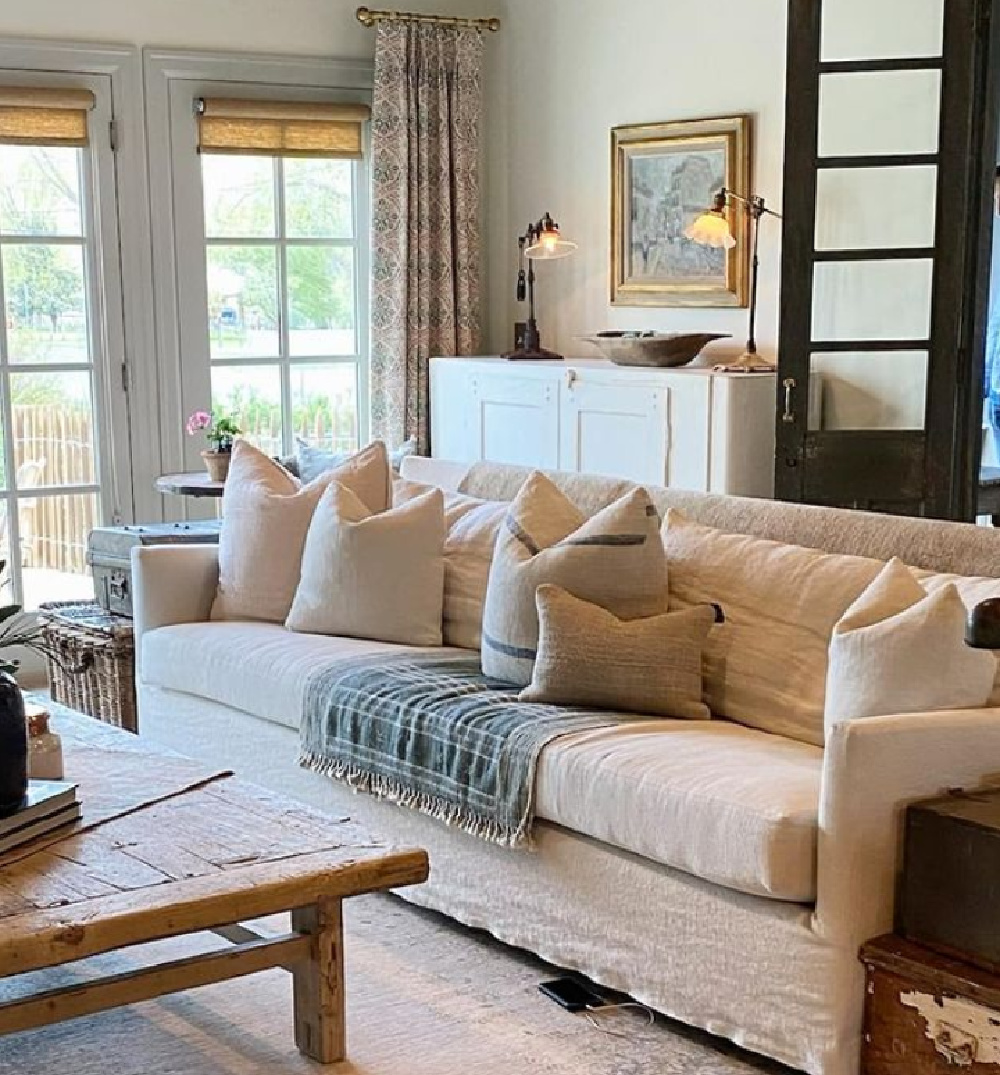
(766, 665)
(898, 649)
(373, 576)
(471, 528)
(265, 516)
(972, 589)
(589, 657)
(614, 559)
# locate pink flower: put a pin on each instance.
(198, 421)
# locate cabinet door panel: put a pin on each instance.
(616, 430)
(515, 420)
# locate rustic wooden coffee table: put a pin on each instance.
(167, 848)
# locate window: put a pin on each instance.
(52, 346)
(280, 188)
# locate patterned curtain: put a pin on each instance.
(425, 216)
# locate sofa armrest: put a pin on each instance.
(872, 770)
(171, 584)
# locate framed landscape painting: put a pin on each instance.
(664, 175)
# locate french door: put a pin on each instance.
(889, 153)
(64, 436)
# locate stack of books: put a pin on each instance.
(48, 806)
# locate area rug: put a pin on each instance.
(425, 997)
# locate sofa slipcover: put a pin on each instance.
(726, 803)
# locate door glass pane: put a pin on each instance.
(239, 197)
(252, 395)
(325, 405)
(44, 285)
(321, 300)
(869, 208)
(40, 191)
(54, 533)
(243, 301)
(879, 112)
(318, 199)
(870, 390)
(53, 429)
(872, 300)
(882, 29)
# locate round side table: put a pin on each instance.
(196, 484)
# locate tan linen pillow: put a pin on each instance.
(614, 559)
(766, 665)
(588, 656)
(373, 576)
(471, 528)
(265, 517)
(898, 649)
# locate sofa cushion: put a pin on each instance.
(766, 665)
(373, 575)
(726, 803)
(589, 657)
(261, 668)
(266, 515)
(614, 559)
(899, 649)
(472, 526)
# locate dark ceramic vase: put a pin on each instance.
(13, 746)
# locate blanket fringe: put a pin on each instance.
(382, 787)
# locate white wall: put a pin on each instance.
(307, 27)
(563, 73)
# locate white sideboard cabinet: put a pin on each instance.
(690, 428)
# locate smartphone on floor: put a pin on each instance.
(571, 994)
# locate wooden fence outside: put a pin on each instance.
(54, 445)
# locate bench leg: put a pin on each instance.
(318, 984)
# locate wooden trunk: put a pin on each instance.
(951, 860)
(926, 1013)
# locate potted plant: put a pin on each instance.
(220, 434)
(16, 629)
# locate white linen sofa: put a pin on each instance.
(720, 874)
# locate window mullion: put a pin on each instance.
(13, 530)
(284, 313)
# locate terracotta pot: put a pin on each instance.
(13, 746)
(217, 464)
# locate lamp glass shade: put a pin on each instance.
(712, 229)
(549, 246)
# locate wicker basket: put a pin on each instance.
(91, 661)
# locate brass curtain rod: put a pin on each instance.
(367, 17)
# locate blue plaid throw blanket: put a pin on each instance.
(431, 732)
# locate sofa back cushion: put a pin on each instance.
(266, 514)
(614, 559)
(471, 528)
(766, 665)
(368, 575)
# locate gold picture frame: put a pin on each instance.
(663, 175)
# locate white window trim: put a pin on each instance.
(122, 64)
(172, 80)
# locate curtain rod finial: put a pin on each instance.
(364, 16)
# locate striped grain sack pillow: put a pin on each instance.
(614, 560)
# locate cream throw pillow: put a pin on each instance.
(472, 526)
(265, 517)
(614, 560)
(766, 665)
(898, 649)
(373, 576)
(589, 657)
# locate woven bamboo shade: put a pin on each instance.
(281, 128)
(47, 117)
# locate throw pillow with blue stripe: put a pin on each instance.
(614, 559)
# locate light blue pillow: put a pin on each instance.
(311, 462)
